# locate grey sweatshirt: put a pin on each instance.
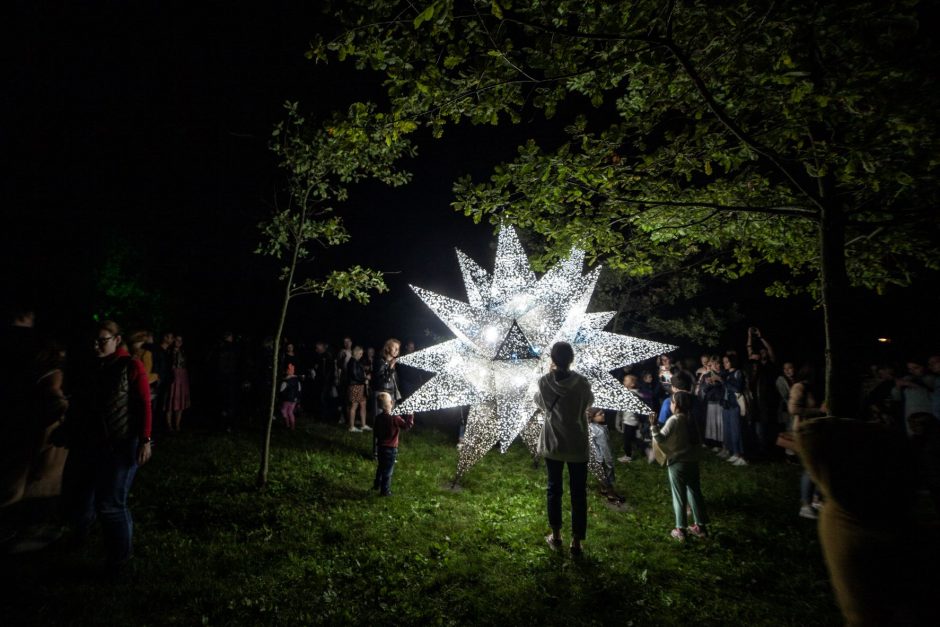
(565, 433)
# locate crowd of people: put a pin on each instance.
(742, 407)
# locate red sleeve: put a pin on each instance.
(405, 422)
(139, 400)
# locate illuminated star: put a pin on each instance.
(503, 336)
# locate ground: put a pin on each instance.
(318, 546)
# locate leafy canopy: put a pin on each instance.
(702, 135)
(321, 163)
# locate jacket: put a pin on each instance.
(563, 402)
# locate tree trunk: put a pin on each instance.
(834, 283)
(266, 443)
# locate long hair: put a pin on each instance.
(387, 347)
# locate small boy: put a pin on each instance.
(600, 452)
(629, 423)
(387, 429)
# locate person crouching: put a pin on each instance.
(387, 429)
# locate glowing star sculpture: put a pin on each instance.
(504, 333)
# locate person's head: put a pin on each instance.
(108, 339)
(595, 414)
(681, 381)
(704, 359)
(167, 339)
(137, 341)
(289, 348)
(347, 342)
(228, 337)
(934, 364)
(730, 361)
(681, 402)
(915, 368)
(370, 352)
(562, 356)
(788, 369)
(807, 373)
(357, 353)
(884, 372)
(149, 337)
(664, 361)
(410, 347)
(289, 369)
(630, 381)
(385, 401)
(24, 317)
(646, 376)
(320, 347)
(391, 348)
(50, 356)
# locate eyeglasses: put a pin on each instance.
(101, 341)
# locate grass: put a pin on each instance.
(320, 547)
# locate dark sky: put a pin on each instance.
(148, 123)
(152, 123)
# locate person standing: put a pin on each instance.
(164, 372)
(109, 440)
(388, 427)
(678, 447)
(177, 400)
(564, 396)
(734, 387)
(356, 378)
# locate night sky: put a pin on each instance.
(150, 126)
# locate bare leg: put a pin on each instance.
(352, 416)
(362, 411)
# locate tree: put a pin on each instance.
(321, 163)
(715, 136)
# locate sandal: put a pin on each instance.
(553, 544)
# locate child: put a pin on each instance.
(602, 460)
(290, 394)
(678, 446)
(628, 423)
(387, 429)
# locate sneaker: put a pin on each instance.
(739, 462)
(808, 512)
(817, 505)
(724, 453)
(697, 530)
(716, 449)
(732, 459)
(366, 428)
(626, 459)
(677, 534)
(355, 430)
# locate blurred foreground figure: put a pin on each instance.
(866, 526)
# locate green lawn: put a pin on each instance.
(320, 547)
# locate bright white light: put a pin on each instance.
(504, 333)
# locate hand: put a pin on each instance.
(143, 453)
(653, 418)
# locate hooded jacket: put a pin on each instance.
(563, 402)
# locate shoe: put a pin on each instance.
(716, 449)
(366, 428)
(697, 530)
(677, 535)
(724, 453)
(739, 462)
(817, 505)
(732, 459)
(626, 459)
(355, 430)
(576, 552)
(808, 512)
(553, 544)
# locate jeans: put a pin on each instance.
(807, 488)
(577, 484)
(384, 470)
(731, 427)
(685, 483)
(100, 481)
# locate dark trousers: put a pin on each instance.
(577, 484)
(97, 483)
(383, 471)
(629, 440)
